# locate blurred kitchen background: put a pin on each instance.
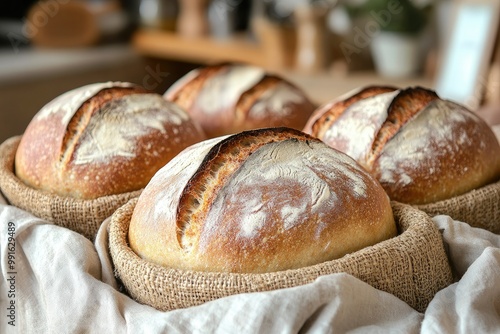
(326, 47)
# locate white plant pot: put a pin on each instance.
(396, 55)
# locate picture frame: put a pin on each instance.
(492, 93)
(463, 71)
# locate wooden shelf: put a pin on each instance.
(321, 87)
(202, 50)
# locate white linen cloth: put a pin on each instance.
(65, 284)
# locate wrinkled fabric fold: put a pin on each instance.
(65, 284)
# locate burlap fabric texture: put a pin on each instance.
(82, 216)
(478, 208)
(412, 266)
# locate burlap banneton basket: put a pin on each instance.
(82, 216)
(412, 266)
(478, 208)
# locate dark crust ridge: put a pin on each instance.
(324, 122)
(82, 116)
(403, 107)
(222, 161)
(186, 95)
(248, 98)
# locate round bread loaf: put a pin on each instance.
(421, 148)
(262, 200)
(102, 139)
(229, 98)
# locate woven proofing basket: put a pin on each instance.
(82, 216)
(478, 208)
(412, 266)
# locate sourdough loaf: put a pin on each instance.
(258, 201)
(229, 98)
(421, 148)
(102, 139)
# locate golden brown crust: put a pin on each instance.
(421, 148)
(445, 151)
(332, 112)
(260, 201)
(248, 99)
(229, 98)
(110, 141)
(217, 167)
(82, 116)
(403, 107)
(188, 88)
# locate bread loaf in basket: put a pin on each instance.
(91, 149)
(424, 150)
(268, 209)
(412, 266)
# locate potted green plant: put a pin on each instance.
(395, 28)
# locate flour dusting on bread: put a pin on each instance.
(112, 131)
(231, 203)
(275, 167)
(276, 100)
(67, 104)
(433, 132)
(168, 183)
(355, 130)
(224, 89)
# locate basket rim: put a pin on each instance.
(123, 249)
(83, 216)
(494, 186)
